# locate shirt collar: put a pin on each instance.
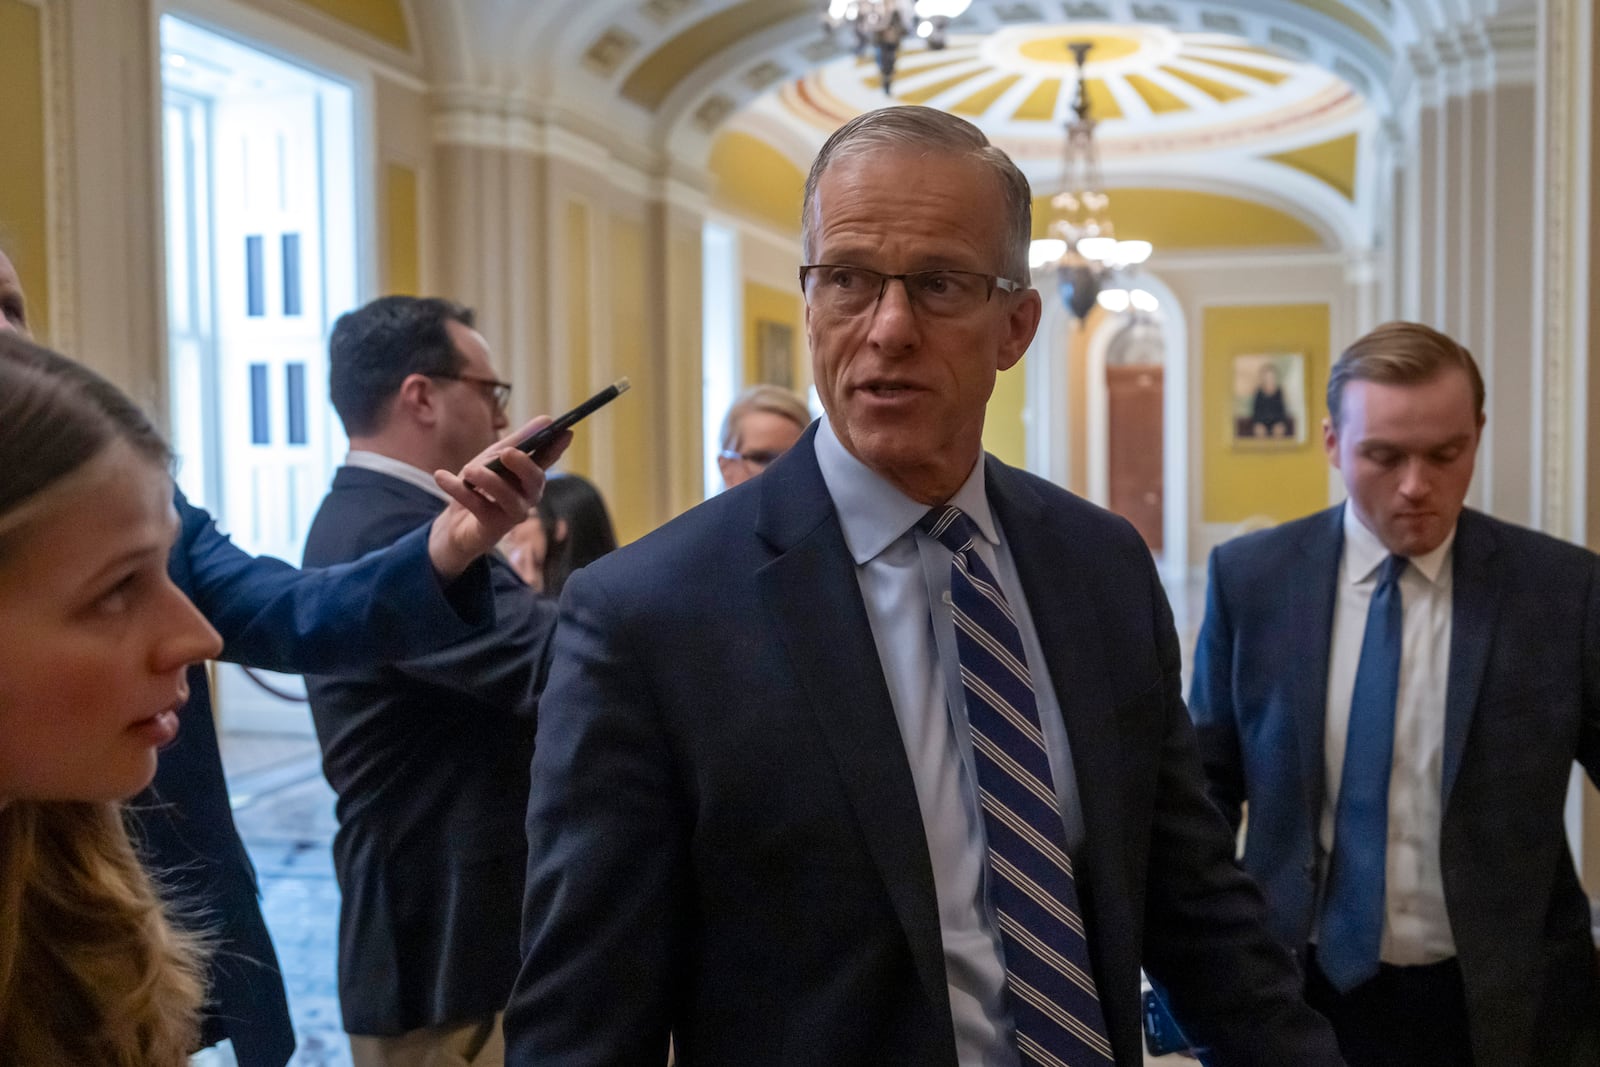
(1364, 553)
(395, 468)
(873, 513)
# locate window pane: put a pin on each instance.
(254, 283)
(291, 274)
(260, 433)
(297, 402)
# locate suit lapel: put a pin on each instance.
(1475, 600)
(812, 592)
(1308, 640)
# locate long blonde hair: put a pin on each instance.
(90, 971)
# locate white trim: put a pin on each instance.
(759, 229)
(299, 34)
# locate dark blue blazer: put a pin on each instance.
(724, 838)
(1522, 703)
(274, 616)
(429, 756)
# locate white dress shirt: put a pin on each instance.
(395, 468)
(1416, 929)
(904, 576)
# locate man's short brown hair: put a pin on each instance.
(1401, 353)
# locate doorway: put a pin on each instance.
(261, 258)
(1135, 401)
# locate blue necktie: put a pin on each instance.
(1049, 979)
(1352, 908)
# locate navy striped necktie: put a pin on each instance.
(1049, 979)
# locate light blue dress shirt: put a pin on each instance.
(905, 583)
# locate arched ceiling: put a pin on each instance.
(1274, 92)
(643, 49)
(1151, 91)
(1201, 111)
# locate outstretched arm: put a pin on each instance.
(427, 590)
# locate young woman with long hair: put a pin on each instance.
(94, 642)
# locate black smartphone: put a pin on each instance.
(536, 441)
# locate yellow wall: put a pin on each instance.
(23, 233)
(763, 303)
(1003, 432)
(578, 257)
(402, 255)
(757, 180)
(638, 448)
(383, 19)
(1239, 482)
(1179, 218)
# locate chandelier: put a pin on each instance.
(1082, 247)
(882, 24)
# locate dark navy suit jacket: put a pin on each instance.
(1522, 703)
(724, 837)
(429, 756)
(274, 616)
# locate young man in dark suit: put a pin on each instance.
(426, 590)
(1397, 688)
(880, 758)
(429, 754)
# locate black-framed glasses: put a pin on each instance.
(498, 392)
(846, 291)
(756, 457)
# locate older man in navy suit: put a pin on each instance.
(1397, 688)
(880, 758)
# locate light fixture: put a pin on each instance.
(1082, 247)
(1113, 300)
(882, 24)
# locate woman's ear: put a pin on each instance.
(561, 531)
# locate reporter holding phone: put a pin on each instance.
(428, 755)
(427, 589)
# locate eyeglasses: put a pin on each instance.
(498, 392)
(845, 291)
(757, 458)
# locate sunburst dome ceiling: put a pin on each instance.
(1154, 91)
(1202, 111)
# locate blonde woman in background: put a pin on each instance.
(94, 642)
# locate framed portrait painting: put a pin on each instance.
(775, 353)
(1269, 400)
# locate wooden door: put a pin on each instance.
(1134, 405)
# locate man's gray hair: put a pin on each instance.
(934, 132)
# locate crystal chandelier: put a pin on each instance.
(1082, 247)
(882, 24)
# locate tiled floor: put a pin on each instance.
(284, 809)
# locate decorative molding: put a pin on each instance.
(61, 188)
(1562, 216)
(610, 50)
(381, 57)
(1512, 43)
(1551, 269)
